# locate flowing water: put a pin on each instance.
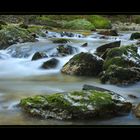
(20, 77)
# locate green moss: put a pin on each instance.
(12, 34)
(77, 104)
(57, 100)
(100, 22)
(83, 98)
(60, 40)
(79, 24)
(37, 30)
(119, 61)
(121, 75)
(43, 18)
(100, 98)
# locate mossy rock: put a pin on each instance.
(89, 104)
(120, 75)
(83, 64)
(52, 63)
(10, 35)
(135, 36)
(100, 22)
(79, 24)
(38, 30)
(60, 40)
(125, 56)
(66, 50)
(102, 50)
(121, 66)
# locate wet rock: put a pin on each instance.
(91, 87)
(102, 50)
(135, 36)
(52, 63)
(84, 45)
(84, 64)
(109, 33)
(90, 104)
(121, 76)
(132, 96)
(104, 37)
(39, 55)
(34, 35)
(121, 66)
(66, 50)
(125, 56)
(68, 34)
(61, 40)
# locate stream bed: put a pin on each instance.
(20, 77)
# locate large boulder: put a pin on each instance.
(135, 36)
(83, 64)
(102, 50)
(39, 55)
(121, 76)
(121, 66)
(90, 104)
(52, 63)
(125, 56)
(91, 87)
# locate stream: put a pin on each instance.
(20, 77)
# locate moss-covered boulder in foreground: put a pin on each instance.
(90, 104)
(83, 64)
